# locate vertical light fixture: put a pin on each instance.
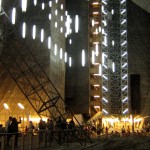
(42, 35)
(35, 2)
(49, 42)
(50, 16)
(62, 6)
(24, 5)
(50, 3)
(14, 15)
(113, 67)
(96, 49)
(0, 4)
(61, 53)
(24, 30)
(76, 24)
(70, 62)
(65, 56)
(100, 69)
(34, 32)
(83, 58)
(55, 49)
(43, 6)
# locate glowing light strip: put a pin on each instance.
(42, 35)
(100, 69)
(65, 56)
(49, 42)
(113, 67)
(83, 58)
(124, 88)
(125, 53)
(125, 111)
(24, 30)
(105, 77)
(43, 6)
(6, 106)
(61, 53)
(105, 100)
(123, 1)
(123, 32)
(70, 62)
(124, 100)
(106, 112)
(35, 2)
(124, 76)
(24, 5)
(20, 105)
(76, 24)
(34, 31)
(104, 88)
(55, 49)
(14, 15)
(124, 65)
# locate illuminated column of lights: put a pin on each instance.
(0, 5)
(13, 16)
(95, 48)
(105, 78)
(124, 58)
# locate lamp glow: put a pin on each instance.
(43, 6)
(65, 56)
(20, 105)
(6, 106)
(62, 6)
(83, 58)
(113, 67)
(42, 35)
(14, 15)
(76, 24)
(50, 3)
(100, 69)
(35, 2)
(61, 53)
(34, 31)
(49, 42)
(55, 49)
(24, 30)
(24, 5)
(70, 62)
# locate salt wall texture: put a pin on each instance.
(139, 51)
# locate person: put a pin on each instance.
(30, 127)
(14, 129)
(59, 128)
(50, 128)
(8, 130)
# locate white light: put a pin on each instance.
(113, 67)
(93, 23)
(83, 58)
(103, 1)
(105, 100)
(105, 77)
(125, 53)
(61, 29)
(0, 4)
(70, 62)
(123, 43)
(43, 6)
(105, 88)
(105, 66)
(24, 30)
(24, 5)
(42, 35)
(66, 13)
(76, 24)
(6, 106)
(49, 42)
(65, 56)
(112, 11)
(124, 88)
(105, 40)
(14, 15)
(124, 31)
(124, 99)
(124, 76)
(123, 11)
(56, 1)
(20, 105)
(62, 6)
(100, 29)
(96, 50)
(70, 41)
(105, 111)
(56, 24)
(103, 10)
(96, 96)
(55, 49)
(103, 57)
(50, 3)
(123, 21)
(104, 22)
(93, 57)
(34, 31)
(125, 111)
(35, 2)
(100, 69)
(68, 25)
(113, 43)
(50, 16)
(123, 1)
(124, 65)
(56, 12)
(61, 53)
(61, 18)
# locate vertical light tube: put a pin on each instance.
(100, 69)
(83, 58)
(24, 5)
(14, 15)
(24, 30)
(35, 2)
(42, 35)
(113, 67)
(61, 53)
(93, 57)
(34, 32)
(70, 62)
(96, 50)
(43, 6)
(49, 42)
(76, 24)
(65, 56)
(55, 49)
(0, 4)
(50, 3)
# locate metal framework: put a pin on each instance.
(114, 54)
